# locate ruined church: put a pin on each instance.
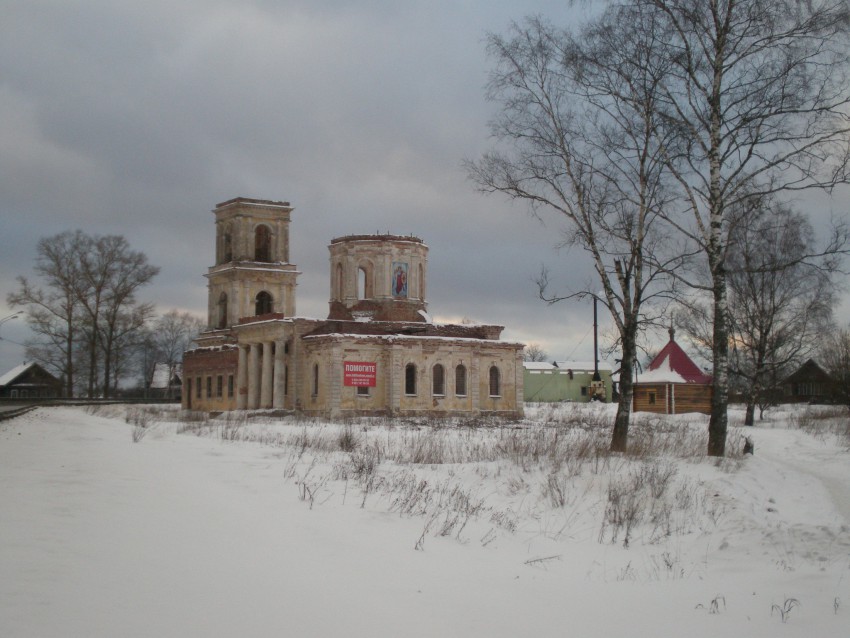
(377, 352)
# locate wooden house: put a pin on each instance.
(29, 381)
(672, 384)
(167, 380)
(807, 384)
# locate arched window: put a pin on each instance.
(227, 249)
(262, 244)
(340, 287)
(364, 282)
(438, 382)
(263, 304)
(421, 283)
(495, 390)
(460, 381)
(222, 310)
(410, 379)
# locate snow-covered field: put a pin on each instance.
(166, 527)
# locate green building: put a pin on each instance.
(565, 381)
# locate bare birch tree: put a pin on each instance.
(780, 301)
(756, 96)
(579, 130)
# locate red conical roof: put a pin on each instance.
(674, 358)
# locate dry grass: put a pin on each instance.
(555, 460)
(824, 422)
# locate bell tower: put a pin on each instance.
(252, 275)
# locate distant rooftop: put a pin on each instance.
(580, 365)
(378, 237)
(14, 373)
(249, 200)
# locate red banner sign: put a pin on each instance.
(359, 373)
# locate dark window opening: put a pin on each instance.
(460, 381)
(263, 244)
(494, 382)
(410, 379)
(222, 310)
(228, 247)
(263, 303)
(439, 380)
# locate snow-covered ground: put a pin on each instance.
(267, 527)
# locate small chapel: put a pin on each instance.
(672, 383)
(377, 352)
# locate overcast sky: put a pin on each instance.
(136, 118)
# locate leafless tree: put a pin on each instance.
(578, 124)
(110, 273)
(86, 302)
(53, 309)
(756, 100)
(780, 300)
(171, 336)
(129, 339)
(835, 356)
(534, 352)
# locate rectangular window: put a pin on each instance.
(230, 385)
(652, 398)
(209, 387)
(584, 390)
(219, 386)
(198, 387)
(363, 390)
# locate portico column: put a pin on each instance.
(266, 379)
(254, 377)
(279, 375)
(242, 379)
